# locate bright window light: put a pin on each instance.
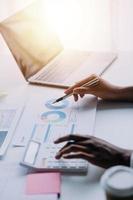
(66, 18)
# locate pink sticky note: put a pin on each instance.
(43, 183)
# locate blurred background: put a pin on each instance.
(96, 25)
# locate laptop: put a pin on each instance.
(40, 54)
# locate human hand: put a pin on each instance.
(94, 150)
(102, 89)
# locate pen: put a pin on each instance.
(90, 83)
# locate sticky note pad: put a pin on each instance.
(43, 183)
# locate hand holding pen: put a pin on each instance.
(94, 85)
(81, 86)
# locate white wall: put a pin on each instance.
(108, 24)
(122, 21)
(95, 33)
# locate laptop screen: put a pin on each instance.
(31, 39)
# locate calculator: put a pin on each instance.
(39, 153)
(41, 157)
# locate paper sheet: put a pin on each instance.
(74, 117)
(9, 119)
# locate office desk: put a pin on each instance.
(113, 123)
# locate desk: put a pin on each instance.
(113, 123)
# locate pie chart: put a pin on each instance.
(60, 105)
(53, 116)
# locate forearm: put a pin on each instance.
(124, 94)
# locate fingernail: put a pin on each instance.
(57, 156)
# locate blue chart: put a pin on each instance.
(57, 106)
(53, 116)
(56, 120)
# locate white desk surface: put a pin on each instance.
(113, 122)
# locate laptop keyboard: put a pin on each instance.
(62, 67)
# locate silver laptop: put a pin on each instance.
(41, 56)
(70, 66)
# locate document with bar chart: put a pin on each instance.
(65, 117)
(52, 121)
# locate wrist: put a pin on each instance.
(126, 158)
(124, 93)
(116, 93)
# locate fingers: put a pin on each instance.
(81, 91)
(71, 137)
(84, 146)
(69, 149)
(81, 95)
(79, 155)
(75, 97)
(70, 90)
